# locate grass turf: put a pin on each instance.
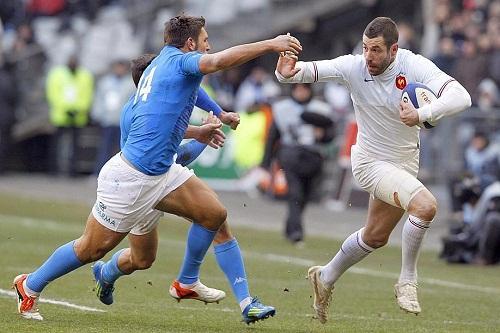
(453, 298)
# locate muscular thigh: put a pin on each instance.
(96, 241)
(190, 200)
(392, 183)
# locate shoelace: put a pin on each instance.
(256, 302)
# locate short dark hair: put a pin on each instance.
(180, 28)
(139, 64)
(385, 27)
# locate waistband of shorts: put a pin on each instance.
(132, 169)
(396, 159)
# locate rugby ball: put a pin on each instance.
(419, 95)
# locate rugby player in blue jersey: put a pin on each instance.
(226, 248)
(137, 185)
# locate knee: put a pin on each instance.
(94, 253)
(89, 252)
(424, 207)
(213, 217)
(375, 240)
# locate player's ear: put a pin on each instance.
(191, 44)
(394, 49)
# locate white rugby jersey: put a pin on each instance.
(381, 133)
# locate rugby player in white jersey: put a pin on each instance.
(386, 155)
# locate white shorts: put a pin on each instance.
(126, 197)
(384, 179)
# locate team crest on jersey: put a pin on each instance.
(400, 82)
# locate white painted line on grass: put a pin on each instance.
(336, 315)
(49, 224)
(37, 223)
(55, 302)
(370, 272)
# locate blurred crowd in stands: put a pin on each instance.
(64, 77)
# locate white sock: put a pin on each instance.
(28, 291)
(413, 233)
(244, 303)
(351, 251)
(190, 285)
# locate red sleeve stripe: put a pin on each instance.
(315, 72)
(444, 85)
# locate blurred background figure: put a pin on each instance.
(487, 95)
(257, 88)
(70, 89)
(112, 92)
(303, 125)
(7, 106)
(480, 159)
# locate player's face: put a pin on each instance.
(202, 44)
(376, 54)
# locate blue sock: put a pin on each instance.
(61, 262)
(198, 241)
(110, 271)
(228, 256)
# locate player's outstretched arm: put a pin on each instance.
(205, 102)
(289, 70)
(240, 54)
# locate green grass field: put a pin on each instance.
(453, 298)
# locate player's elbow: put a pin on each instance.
(461, 94)
(467, 100)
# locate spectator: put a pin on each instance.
(487, 95)
(69, 93)
(112, 92)
(225, 85)
(27, 57)
(470, 68)
(480, 242)
(407, 37)
(478, 156)
(494, 65)
(339, 99)
(446, 56)
(303, 125)
(7, 105)
(257, 89)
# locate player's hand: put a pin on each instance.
(210, 132)
(231, 119)
(286, 65)
(286, 43)
(408, 114)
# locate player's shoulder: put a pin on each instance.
(407, 56)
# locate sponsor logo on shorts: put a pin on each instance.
(99, 208)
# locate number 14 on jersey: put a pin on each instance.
(144, 86)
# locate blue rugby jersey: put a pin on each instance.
(156, 117)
